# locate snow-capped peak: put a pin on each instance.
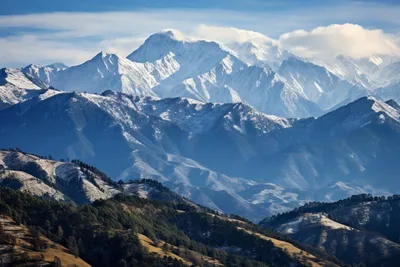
(105, 57)
(156, 47)
(160, 44)
(107, 72)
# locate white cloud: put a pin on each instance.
(18, 51)
(346, 39)
(230, 34)
(322, 42)
(74, 37)
(91, 32)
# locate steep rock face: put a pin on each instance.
(358, 230)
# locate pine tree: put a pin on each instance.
(60, 232)
(72, 246)
(37, 242)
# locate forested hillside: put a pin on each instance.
(131, 231)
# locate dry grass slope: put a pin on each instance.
(304, 257)
(293, 251)
(23, 251)
(188, 257)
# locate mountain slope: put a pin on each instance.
(358, 230)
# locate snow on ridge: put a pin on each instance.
(379, 106)
(17, 78)
(33, 185)
(311, 219)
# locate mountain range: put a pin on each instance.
(241, 128)
(266, 77)
(229, 157)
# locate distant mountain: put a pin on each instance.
(318, 84)
(370, 72)
(258, 73)
(358, 230)
(391, 91)
(264, 76)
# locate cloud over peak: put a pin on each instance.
(340, 39)
(230, 34)
(323, 42)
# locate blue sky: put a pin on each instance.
(44, 31)
(40, 6)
